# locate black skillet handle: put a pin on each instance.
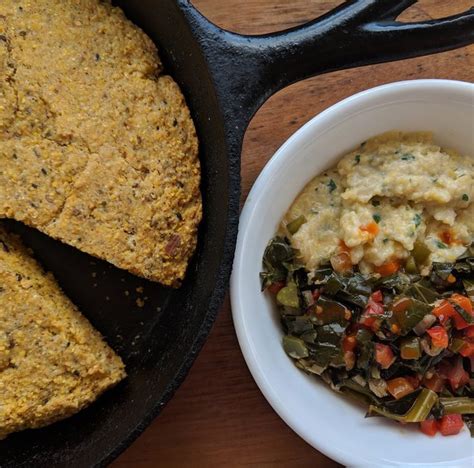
(248, 69)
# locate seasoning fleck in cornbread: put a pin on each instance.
(97, 146)
(52, 361)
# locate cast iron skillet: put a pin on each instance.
(225, 77)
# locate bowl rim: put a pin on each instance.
(256, 196)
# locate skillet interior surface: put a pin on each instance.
(158, 341)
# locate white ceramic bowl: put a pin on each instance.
(324, 419)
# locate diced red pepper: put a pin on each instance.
(467, 350)
(439, 336)
(463, 301)
(274, 288)
(383, 355)
(429, 427)
(399, 387)
(450, 424)
(466, 304)
(435, 383)
(445, 311)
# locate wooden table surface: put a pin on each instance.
(218, 417)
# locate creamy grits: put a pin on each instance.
(397, 198)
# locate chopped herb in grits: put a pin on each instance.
(417, 219)
(465, 197)
(441, 245)
(376, 217)
(357, 159)
(332, 185)
(407, 157)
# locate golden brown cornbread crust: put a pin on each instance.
(52, 361)
(97, 148)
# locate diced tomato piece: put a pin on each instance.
(367, 321)
(467, 350)
(443, 369)
(274, 288)
(374, 308)
(454, 372)
(466, 304)
(377, 296)
(463, 301)
(469, 332)
(374, 305)
(383, 355)
(399, 387)
(414, 381)
(444, 311)
(388, 268)
(435, 383)
(459, 322)
(447, 237)
(370, 321)
(371, 228)
(349, 343)
(341, 262)
(316, 293)
(450, 424)
(439, 336)
(429, 427)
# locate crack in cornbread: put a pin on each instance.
(53, 362)
(97, 146)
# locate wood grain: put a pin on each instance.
(218, 417)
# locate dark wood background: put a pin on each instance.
(218, 417)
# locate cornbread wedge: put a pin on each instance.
(52, 361)
(97, 146)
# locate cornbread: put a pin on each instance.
(395, 191)
(52, 361)
(97, 146)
